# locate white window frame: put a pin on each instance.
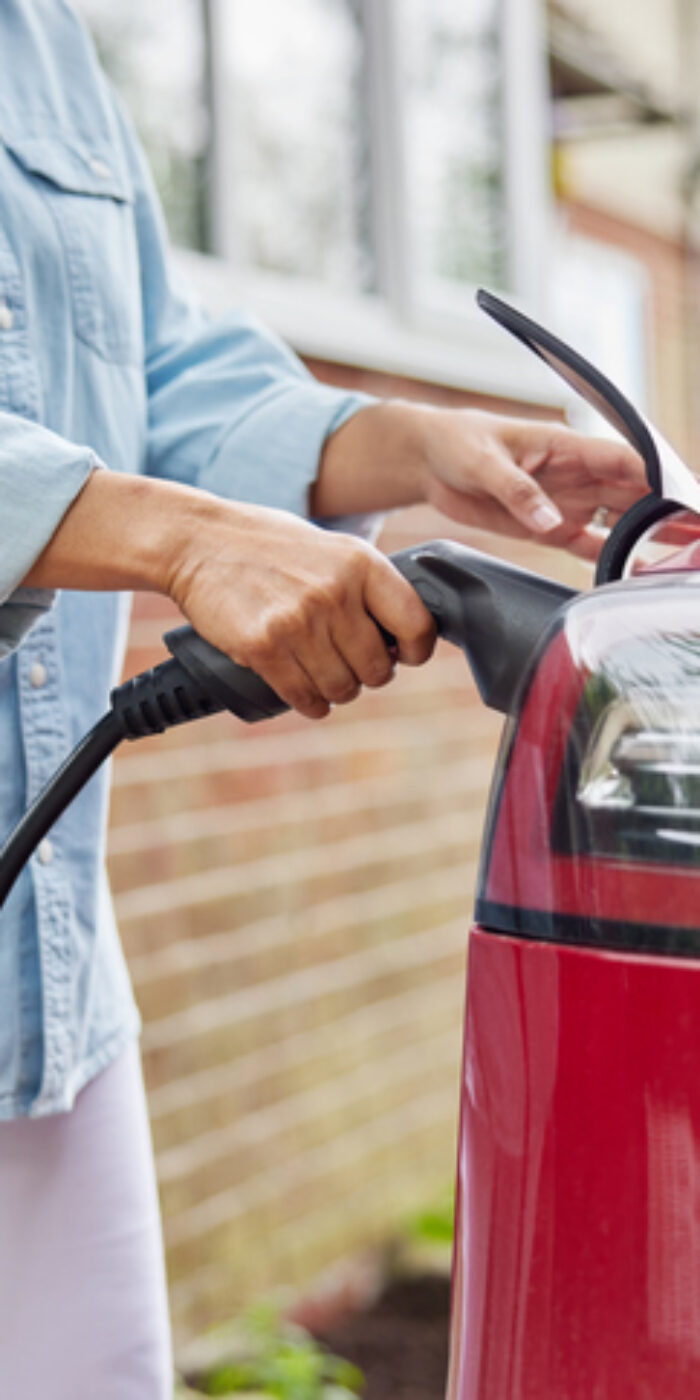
(393, 331)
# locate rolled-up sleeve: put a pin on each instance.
(41, 474)
(232, 409)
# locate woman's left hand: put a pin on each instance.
(514, 476)
(527, 478)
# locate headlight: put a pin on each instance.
(638, 789)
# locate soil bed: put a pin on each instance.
(400, 1343)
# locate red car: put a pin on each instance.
(577, 1250)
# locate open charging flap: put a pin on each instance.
(673, 486)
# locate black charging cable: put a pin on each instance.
(151, 702)
(70, 778)
(494, 611)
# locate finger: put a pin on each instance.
(293, 684)
(587, 541)
(327, 667)
(365, 650)
(587, 544)
(593, 508)
(607, 523)
(396, 605)
(585, 499)
(605, 459)
(518, 493)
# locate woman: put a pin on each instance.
(142, 447)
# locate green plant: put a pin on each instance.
(283, 1361)
(434, 1226)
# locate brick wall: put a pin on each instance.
(294, 902)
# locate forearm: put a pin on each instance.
(508, 475)
(121, 532)
(375, 461)
(126, 532)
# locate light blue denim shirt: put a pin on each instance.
(102, 361)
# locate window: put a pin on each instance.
(293, 148)
(300, 123)
(451, 68)
(385, 153)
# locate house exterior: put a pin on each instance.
(294, 899)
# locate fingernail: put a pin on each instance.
(546, 517)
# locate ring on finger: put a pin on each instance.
(600, 517)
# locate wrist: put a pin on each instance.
(146, 522)
(121, 532)
(154, 518)
(377, 460)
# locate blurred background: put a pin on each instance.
(294, 901)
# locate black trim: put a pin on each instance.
(581, 376)
(575, 930)
(628, 531)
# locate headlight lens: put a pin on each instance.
(638, 790)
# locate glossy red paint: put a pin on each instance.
(523, 870)
(577, 1255)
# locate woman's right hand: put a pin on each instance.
(297, 604)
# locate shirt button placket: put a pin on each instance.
(45, 745)
(100, 168)
(38, 675)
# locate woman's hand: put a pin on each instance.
(297, 604)
(511, 475)
(524, 478)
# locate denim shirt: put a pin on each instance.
(103, 362)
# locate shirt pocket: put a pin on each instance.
(91, 202)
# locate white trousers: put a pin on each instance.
(83, 1298)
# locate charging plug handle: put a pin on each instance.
(495, 612)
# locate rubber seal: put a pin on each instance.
(627, 533)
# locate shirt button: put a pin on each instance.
(45, 851)
(6, 317)
(99, 168)
(37, 674)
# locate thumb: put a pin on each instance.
(393, 602)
